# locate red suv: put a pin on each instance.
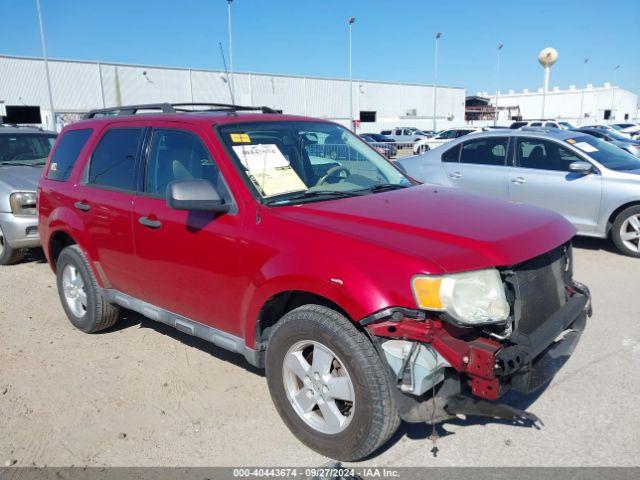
(367, 297)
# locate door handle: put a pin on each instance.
(455, 175)
(85, 207)
(518, 180)
(148, 222)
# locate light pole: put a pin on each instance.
(229, 2)
(46, 66)
(351, 22)
(495, 117)
(613, 94)
(435, 81)
(584, 68)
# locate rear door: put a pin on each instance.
(187, 261)
(541, 177)
(103, 199)
(481, 167)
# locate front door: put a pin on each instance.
(187, 260)
(542, 177)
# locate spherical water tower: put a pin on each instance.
(547, 57)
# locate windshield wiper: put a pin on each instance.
(21, 164)
(383, 187)
(316, 194)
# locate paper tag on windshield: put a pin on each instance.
(269, 169)
(585, 147)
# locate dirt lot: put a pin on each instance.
(141, 394)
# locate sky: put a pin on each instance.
(392, 41)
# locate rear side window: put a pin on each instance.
(113, 161)
(451, 155)
(66, 154)
(485, 151)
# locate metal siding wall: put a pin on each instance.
(76, 87)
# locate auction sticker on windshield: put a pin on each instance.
(269, 170)
(584, 146)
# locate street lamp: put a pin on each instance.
(229, 2)
(435, 81)
(351, 22)
(613, 94)
(495, 117)
(584, 68)
(46, 66)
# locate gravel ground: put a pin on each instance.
(142, 394)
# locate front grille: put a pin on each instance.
(541, 287)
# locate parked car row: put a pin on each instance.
(367, 297)
(593, 183)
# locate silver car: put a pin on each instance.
(594, 184)
(23, 152)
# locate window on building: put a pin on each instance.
(66, 154)
(607, 114)
(626, 116)
(113, 161)
(367, 116)
(485, 151)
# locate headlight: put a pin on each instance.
(23, 203)
(472, 298)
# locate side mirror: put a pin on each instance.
(583, 168)
(197, 195)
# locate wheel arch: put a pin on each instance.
(58, 241)
(617, 211)
(283, 302)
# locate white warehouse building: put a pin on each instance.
(79, 86)
(580, 106)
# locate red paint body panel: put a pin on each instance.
(359, 252)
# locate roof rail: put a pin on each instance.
(173, 108)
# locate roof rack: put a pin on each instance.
(173, 108)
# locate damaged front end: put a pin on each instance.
(443, 369)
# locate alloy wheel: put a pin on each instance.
(74, 291)
(630, 233)
(318, 387)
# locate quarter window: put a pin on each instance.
(178, 156)
(451, 155)
(544, 155)
(113, 161)
(485, 151)
(66, 154)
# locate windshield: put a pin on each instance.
(25, 148)
(612, 157)
(566, 125)
(289, 162)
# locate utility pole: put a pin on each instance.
(581, 119)
(352, 126)
(229, 2)
(435, 81)
(46, 66)
(495, 117)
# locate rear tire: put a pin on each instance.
(8, 255)
(625, 231)
(364, 423)
(80, 294)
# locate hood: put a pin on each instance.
(443, 226)
(18, 177)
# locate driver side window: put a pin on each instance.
(544, 155)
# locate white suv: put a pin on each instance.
(542, 123)
(442, 137)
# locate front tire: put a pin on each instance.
(80, 294)
(329, 384)
(625, 231)
(8, 255)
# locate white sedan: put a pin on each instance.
(442, 137)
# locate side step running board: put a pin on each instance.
(213, 335)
